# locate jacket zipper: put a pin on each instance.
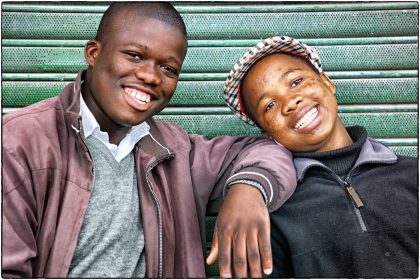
(356, 201)
(148, 171)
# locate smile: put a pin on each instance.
(307, 118)
(139, 96)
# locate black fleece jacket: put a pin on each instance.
(322, 231)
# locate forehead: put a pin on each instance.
(131, 22)
(268, 71)
(274, 66)
(132, 29)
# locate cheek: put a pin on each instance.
(169, 86)
(313, 88)
(274, 124)
(107, 71)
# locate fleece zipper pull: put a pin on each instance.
(354, 196)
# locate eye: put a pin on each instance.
(269, 106)
(296, 82)
(135, 55)
(169, 69)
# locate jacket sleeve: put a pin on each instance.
(222, 160)
(19, 220)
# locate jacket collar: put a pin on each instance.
(154, 144)
(70, 100)
(372, 152)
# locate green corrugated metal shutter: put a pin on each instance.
(369, 49)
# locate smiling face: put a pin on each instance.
(133, 71)
(294, 105)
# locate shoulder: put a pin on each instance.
(36, 113)
(33, 127)
(407, 162)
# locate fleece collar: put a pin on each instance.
(372, 152)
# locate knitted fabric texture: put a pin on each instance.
(111, 240)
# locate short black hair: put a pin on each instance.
(244, 99)
(163, 11)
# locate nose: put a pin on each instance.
(148, 73)
(292, 104)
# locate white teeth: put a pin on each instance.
(307, 118)
(139, 96)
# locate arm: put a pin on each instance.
(19, 220)
(242, 223)
(244, 213)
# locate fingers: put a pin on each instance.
(265, 250)
(250, 253)
(214, 251)
(240, 255)
(225, 248)
(253, 254)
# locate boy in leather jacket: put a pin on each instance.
(94, 187)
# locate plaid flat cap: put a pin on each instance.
(268, 46)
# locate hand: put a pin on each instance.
(243, 228)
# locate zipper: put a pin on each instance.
(149, 185)
(356, 202)
(353, 194)
(354, 197)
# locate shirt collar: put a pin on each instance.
(88, 120)
(91, 128)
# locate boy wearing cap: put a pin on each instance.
(93, 187)
(354, 213)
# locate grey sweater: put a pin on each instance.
(111, 241)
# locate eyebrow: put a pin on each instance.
(140, 46)
(282, 76)
(264, 95)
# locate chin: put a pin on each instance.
(129, 121)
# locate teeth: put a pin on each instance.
(139, 96)
(307, 118)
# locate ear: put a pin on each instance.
(327, 81)
(92, 49)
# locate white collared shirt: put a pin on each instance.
(91, 129)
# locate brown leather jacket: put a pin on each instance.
(47, 181)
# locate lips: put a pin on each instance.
(307, 118)
(138, 99)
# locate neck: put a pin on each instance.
(340, 138)
(116, 135)
(116, 132)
